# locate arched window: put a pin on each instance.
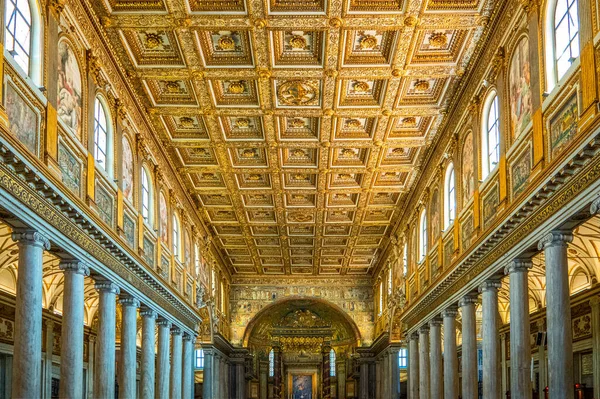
(490, 149)
(271, 363)
(102, 137)
(332, 363)
(423, 235)
(449, 197)
(17, 37)
(563, 24)
(176, 239)
(405, 260)
(146, 197)
(196, 260)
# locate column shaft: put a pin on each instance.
(520, 348)
(148, 353)
(436, 366)
(558, 305)
(162, 361)
(127, 369)
(491, 342)
(177, 347)
(450, 355)
(104, 379)
(424, 363)
(364, 380)
(413, 366)
(71, 338)
(187, 367)
(208, 374)
(27, 358)
(469, 348)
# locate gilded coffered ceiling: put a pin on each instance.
(299, 125)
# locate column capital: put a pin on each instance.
(490, 285)
(436, 322)
(107, 286)
(519, 265)
(163, 322)
(128, 300)
(74, 266)
(147, 312)
(175, 330)
(424, 329)
(595, 301)
(452, 311)
(30, 237)
(467, 300)
(555, 238)
(414, 336)
(595, 207)
(189, 337)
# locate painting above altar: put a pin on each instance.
(302, 385)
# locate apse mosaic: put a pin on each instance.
(296, 126)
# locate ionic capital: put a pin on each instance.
(74, 266)
(436, 322)
(555, 238)
(162, 322)
(414, 336)
(147, 312)
(128, 300)
(107, 286)
(189, 337)
(469, 299)
(424, 329)
(450, 312)
(175, 330)
(490, 285)
(518, 265)
(31, 237)
(595, 302)
(595, 207)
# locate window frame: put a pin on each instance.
(107, 152)
(146, 196)
(35, 55)
(403, 358)
(176, 238)
(449, 196)
(405, 260)
(487, 167)
(199, 357)
(553, 77)
(423, 237)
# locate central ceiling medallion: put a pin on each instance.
(353, 123)
(421, 86)
(297, 92)
(242, 122)
(226, 43)
(361, 87)
(153, 40)
(368, 42)
(438, 40)
(236, 87)
(298, 42)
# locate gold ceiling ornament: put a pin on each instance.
(249, 153)
(361, 86)
(298, 152)
(353, 123)
(264, 73)
(410, 21)
(242, 123)
(438, 39)
(296, 92)
(398, 72)
(260, 23)
(298, 122)
(335, 22)
(236, 87)
(173, 86)
(399, 151)
(421, 85)
(298, 42)
(331, 73)
(378, 143)
(226, 43)
(386, 112)
(329, 112)
(106, 22)
(153, 40)
(409, 121)
(368, 42)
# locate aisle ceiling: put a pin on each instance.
(298, 124)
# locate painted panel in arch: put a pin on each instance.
(164, 218)
(22, 118)
(104, 202)
(69, 101)
(70, 168)
(448, 251)
(468, 174)
(434, 265)
(564, 125)
(164, 267)
(435, 215)
(490, 205)
(467, 231)
(520, 88)
(149, 251)
(129, 230)
(520, 172)
(423, 280)
(127, 170)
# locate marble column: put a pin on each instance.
(394, 373)
(147, 381)
(48, 356)
(240, 383)
(216, 380)
(27, 357)
(104, 379)
(378, 386)
(504, 364)
(542, 365)
(90, 371)
(413, 366)
(340, 367)
(491, 339)
(469, 347)
(127, 368)
(326, 373)
(424, 362)
(595, 305)
(436, 366)
(364, 380)
(177, 346)
(71, 338)
(207, 386)
(187, 367)
(162, 360)
(558, 310)
(277, 383)
(450, 354)
(520, 348)
(386, 375)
